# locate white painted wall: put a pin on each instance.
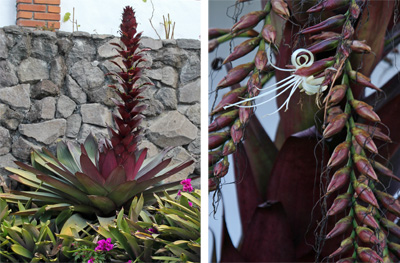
(104, 16)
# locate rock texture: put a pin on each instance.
(53, 87)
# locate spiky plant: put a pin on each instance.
(95, 178)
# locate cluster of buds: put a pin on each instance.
(362, 206)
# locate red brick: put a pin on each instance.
(53, 9)
(22, 14)
(55, 25)
(24, 1)
(37, 8)
(47, 2)
(30, 23)
(47, 16)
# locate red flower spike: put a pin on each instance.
(339, 155)
(345, 245)
(249, 20)
(229, 98)
(364, 139)
(336, 94)
(362, 80)
(243, 49)
(328, 5)
(340, 227)
(217, 138)
(221, 168)
(324, 45)
(360, 46)
(269, 33)
(367, 235)
(389, 202)
(229, 148)
(365, 216)
(325, 35)
(261, 60)
(365, 110)
(339, 179)
(374, 131)
(245, 113)
(330, 23)
(364, 167)
(340, 204)
(368, 255)
(214, 157)
(236, 75)
(390, 226)
(237, 131)
(335, 125)
(223, 120)
(280, 8)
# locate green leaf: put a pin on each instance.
(62, 217)
(28, 239)
(179, 251)
(76, 222)
(91, 148)
(91, 186)
(192, 198)
(20, 250)
(121, 239)
(105, 204)
(186, 234)
(116, 178)
(65, 157)
(122, 193)
(105, 221)
(135, 208)
(133, 244)
(66, 17)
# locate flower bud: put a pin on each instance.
(217, 32)
(229, 98)
(392, 227)
(212, 44)
(212, 184)
(364, 139)
(360, 46)
(245, 113)
(236, 75)
(362, 80)
(223, 120)
(365, 193)
(340, 154)
(336, 94)
(237, 131)
(365, 216)
(345, 245)
(229, 148)
(333, 112)
(254, 84)
(347, 32)
(261, 60)
(345, 260)
(354, 10)
(269, 33)
(394, 248)
(330, 23)
(383, 170)
(324, 45)
(336, 125)
(368, 255)
(325, 35)
(364, 167)
(328, 5)
(389, 202)
(249, 20)
(214, 157)
(339, 179)
(316, 67)
(357, 148)
(374, 131)
(217, 138)
(280, 8)
(340, 227)
(242, 49)
(221, 168)
(364, 110)
(340, 204)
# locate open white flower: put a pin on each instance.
(309, 84)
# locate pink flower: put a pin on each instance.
(187, 185)
(152, 230)
(179, 193)
(104, 245)
(91, 260)
(190, 203)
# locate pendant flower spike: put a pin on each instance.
(308, 84)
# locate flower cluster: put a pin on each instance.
(187, 185)
(104, 245)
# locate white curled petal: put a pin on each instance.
(312, 85)
(295, 58)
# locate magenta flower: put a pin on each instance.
(187, 185)
(152, 230)
(91, 260)
(190, 203)
(104, 245)
(179, 193)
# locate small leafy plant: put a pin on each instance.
(67, 17)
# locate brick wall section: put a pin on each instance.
(39, 13)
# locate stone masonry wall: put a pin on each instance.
(53, 86)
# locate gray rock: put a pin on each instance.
(101, 36)
(96, 114)
(58, 71)
(108, 66)
(14, 29)
(194, 146)
(173, 56)
(188, 43)
(22, 148)
(95, 130)
(10, 118)
(16, 96)
(61, 34)
(44, 49)
(82, 49)
(44, 88)
(182, 108)
(44, 34)
(154, 74)
(180, 155)
(191, 69)
(172, 129)
(73, 125)
(8, 76)
(107, 50)
(102, 94)
(74, 91)
(153, 44)
(169, 77)
(6, 161)
(151, 148)
(193, 114)
(65, 106)
(87, 75)
(47, 108)
(190, 92)
(21, 49)
(5, 141)
(46, 132)
(3, 45)
(64, 45)
(33, 69)
(167, 97)
(81, 34)
(154, 108)
(168, 42)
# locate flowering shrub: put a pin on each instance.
(97, 255)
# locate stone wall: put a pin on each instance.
(53, 86)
